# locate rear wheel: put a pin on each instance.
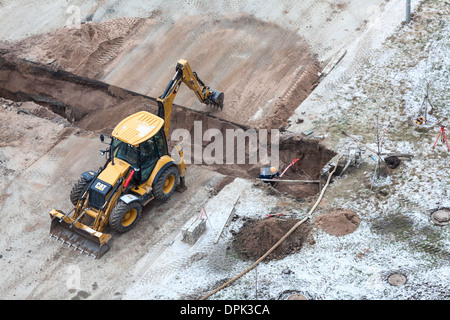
(77, 190)
(124, 216)
(166, 183)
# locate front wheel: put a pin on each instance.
(166, 183)
(78, 190)
(124, 216)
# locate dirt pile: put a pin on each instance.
(312, 156)
(264, 70)
(84, 51)
(256, 237)
(97, 106)
(337, 223)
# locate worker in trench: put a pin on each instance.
(269, 173)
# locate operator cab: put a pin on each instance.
(140, 141)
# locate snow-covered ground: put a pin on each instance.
(395, 234)
(384, 74)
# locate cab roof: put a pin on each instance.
(138, 127)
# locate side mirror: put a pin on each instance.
(102, 137)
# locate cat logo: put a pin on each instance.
(100, 186)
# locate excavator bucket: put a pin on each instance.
(77, 235)
(215, 99)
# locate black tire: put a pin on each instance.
(77, 190)
(165, 186)
(125, 216)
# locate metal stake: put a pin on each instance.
(408, 11)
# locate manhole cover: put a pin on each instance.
(296, 297)
(397, 279)
(441, 216)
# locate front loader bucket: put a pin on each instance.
(77, 235)
(216, 98)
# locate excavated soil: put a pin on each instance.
(256, 237)
(338, 222)
(84, 51)
(96, 106)
(312, 157)
(264, 70)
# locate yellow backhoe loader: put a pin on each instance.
(138, 169)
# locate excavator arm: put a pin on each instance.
(184, 74)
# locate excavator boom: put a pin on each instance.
(184, 74)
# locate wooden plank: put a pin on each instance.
(279, 241)
(289, 181)
(330, 66)
(226, 222)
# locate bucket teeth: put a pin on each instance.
(84, 249)
(82, 240)
(215, 105)
(75, 248)
(215, 99)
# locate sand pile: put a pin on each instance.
(264, 70)
(337, 223)
(256, 237)
(84, 51)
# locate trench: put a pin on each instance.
(97, 107)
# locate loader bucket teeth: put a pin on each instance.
(216, 99)
(82, 238)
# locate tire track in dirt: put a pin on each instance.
(107, 50)
(189, 201)
(177, 264)
(175, 260)
(192, 39)
(307, 19)
(122, 31)
(250, 60)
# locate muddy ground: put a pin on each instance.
(61, 87)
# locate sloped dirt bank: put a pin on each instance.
(266, 71)
(84, 51)
(96, 106)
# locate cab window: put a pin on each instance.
(125, 152)
(150, 152)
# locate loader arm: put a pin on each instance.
(70, 228)
(184, 74)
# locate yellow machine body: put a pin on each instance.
(72, 229)
(138, 169)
